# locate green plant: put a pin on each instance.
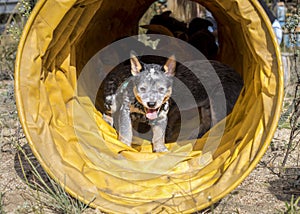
(291, 207)
(17, 21)
(10, 38)
(1, 203)
(285, 116)
(47, 194)
(292, 22)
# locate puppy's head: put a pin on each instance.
(152, 84)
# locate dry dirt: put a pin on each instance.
(263, 191)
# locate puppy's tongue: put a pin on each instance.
(151, 114)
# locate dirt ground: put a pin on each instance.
(265, 190)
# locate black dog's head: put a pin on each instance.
(152, 84)
(169, 22)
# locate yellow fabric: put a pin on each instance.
(79, 150)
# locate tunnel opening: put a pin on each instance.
(146, 19)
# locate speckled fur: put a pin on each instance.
(117, 90)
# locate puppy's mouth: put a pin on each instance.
(151, 114)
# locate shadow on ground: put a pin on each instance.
(287, 185)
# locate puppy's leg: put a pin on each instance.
(124, 121)
(110, 105)
(158, 140)
(108, 119)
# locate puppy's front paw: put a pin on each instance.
(108, 119)
(161, 148)
(125, 141)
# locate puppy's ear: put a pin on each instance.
(170, 66)
(136, 66)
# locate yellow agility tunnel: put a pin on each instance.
(81, 152)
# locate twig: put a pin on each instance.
(294, 118)
(291, 26)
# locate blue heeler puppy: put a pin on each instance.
(136, 96)
(146, 93)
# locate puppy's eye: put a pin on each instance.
(161, 90)
(142, 89)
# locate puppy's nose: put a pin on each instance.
(151, 104)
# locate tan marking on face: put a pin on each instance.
(137, 95)
(168, 95)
